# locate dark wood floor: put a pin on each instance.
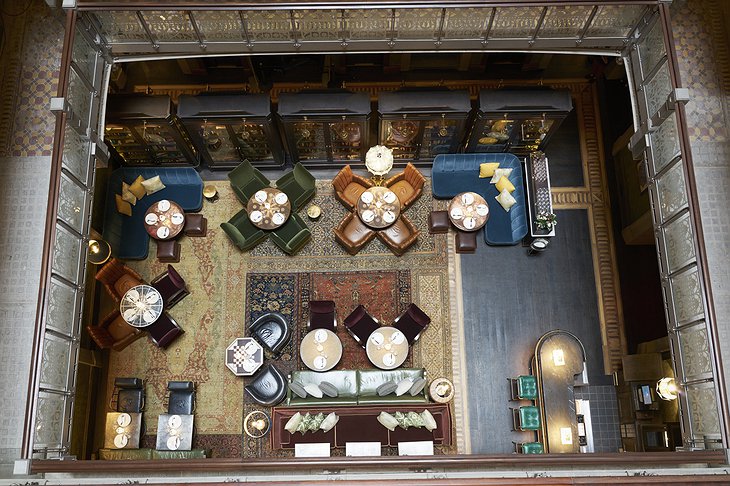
(510, 300)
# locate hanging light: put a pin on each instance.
(667, 389)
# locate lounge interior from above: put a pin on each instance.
(365, 255)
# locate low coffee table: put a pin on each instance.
(244, 356)
(468, 211)
(387, 347)
(320, 350)
(378, 207)
(268, 208)
(164, 220)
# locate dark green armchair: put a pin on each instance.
(246, 180)
(242, 232)
(293, 235)
(298, 185)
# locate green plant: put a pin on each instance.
(546, 221)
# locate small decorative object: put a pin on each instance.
(546, 221)
(99, 252)
(256, 424)
(311, 423)
(314, 212)
(210, 193)
(379, 161)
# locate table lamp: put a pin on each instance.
(256, 424)
(99, 252)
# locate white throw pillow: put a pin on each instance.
(498, 173)
(388, 421)
(329, 422)
(428, 421)
(128, 195)
(293, 423)
(153, 185)
(403, 386)
(506, 200)
(313, 390)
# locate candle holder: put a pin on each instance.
(256, 424)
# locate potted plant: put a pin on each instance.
(546, 221)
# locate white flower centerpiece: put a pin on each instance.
(379, 161)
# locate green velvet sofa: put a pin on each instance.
(145, 454)
(356, 387)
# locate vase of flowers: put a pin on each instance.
(546, 221)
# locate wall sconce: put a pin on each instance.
(667, 389)
(566, 435)
(99, 252)
(558, 357)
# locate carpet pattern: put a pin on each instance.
(222, 281)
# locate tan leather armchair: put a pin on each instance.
(349, 186)
(118, 278)
(399, 236)
(113, 332)
(408, 185)
(352, 234)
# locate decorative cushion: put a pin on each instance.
(428, 421)
(387, 421)
(298, 390)
(137, 188)
(127, 195)
(293, 423)
(313, 390)
(503, 184)
(498, 174)
(417, 387)
(123, 207)
(153, 185)
(487, 169)
(403, 386)
(329, 421)
(328, 389)
(386, 388)
(506, 200)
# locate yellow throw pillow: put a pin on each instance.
(487, 169)
(127, 195)
(503, 184)
(123, 206)
(506, 200)
(153, 185)
(137, 188)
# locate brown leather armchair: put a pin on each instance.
(408, 185)
(352, 234)
(349, 186)
(118, 278)
(113, 332)
(399, 236)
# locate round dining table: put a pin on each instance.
(387, 348)
(378, 207)
(468, 211)
(164, 220)
(320, 350)
(268, 208)
(141, 305)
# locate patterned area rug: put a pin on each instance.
(219, 277)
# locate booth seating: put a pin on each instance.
(456, 173)
(356, 387)
(127, 235)
(360, 424)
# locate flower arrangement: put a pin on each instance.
(546, 221)
(379, 160)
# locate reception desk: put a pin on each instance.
(559, 359)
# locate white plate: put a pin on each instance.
(467, 198)
(250, 348)
(367, 197)
(174, 421)
(281, 198)
(320, 336)
(132, 295)
(120, 441)
(469, 223)
(163, 232)
(368, 215)
(163, 205)
(177, 218)
(397, 337)
(149, 317)
(260, 196)
(388, 359)
(457, 213)
(389, 216)
(130, 313)
(124, 419)
(151, 218)
(389, 197)
(255, 216)
(173, 443)
(482, 210)
(278, 219)
(377, 338)
(152, 297)
(320, 362)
